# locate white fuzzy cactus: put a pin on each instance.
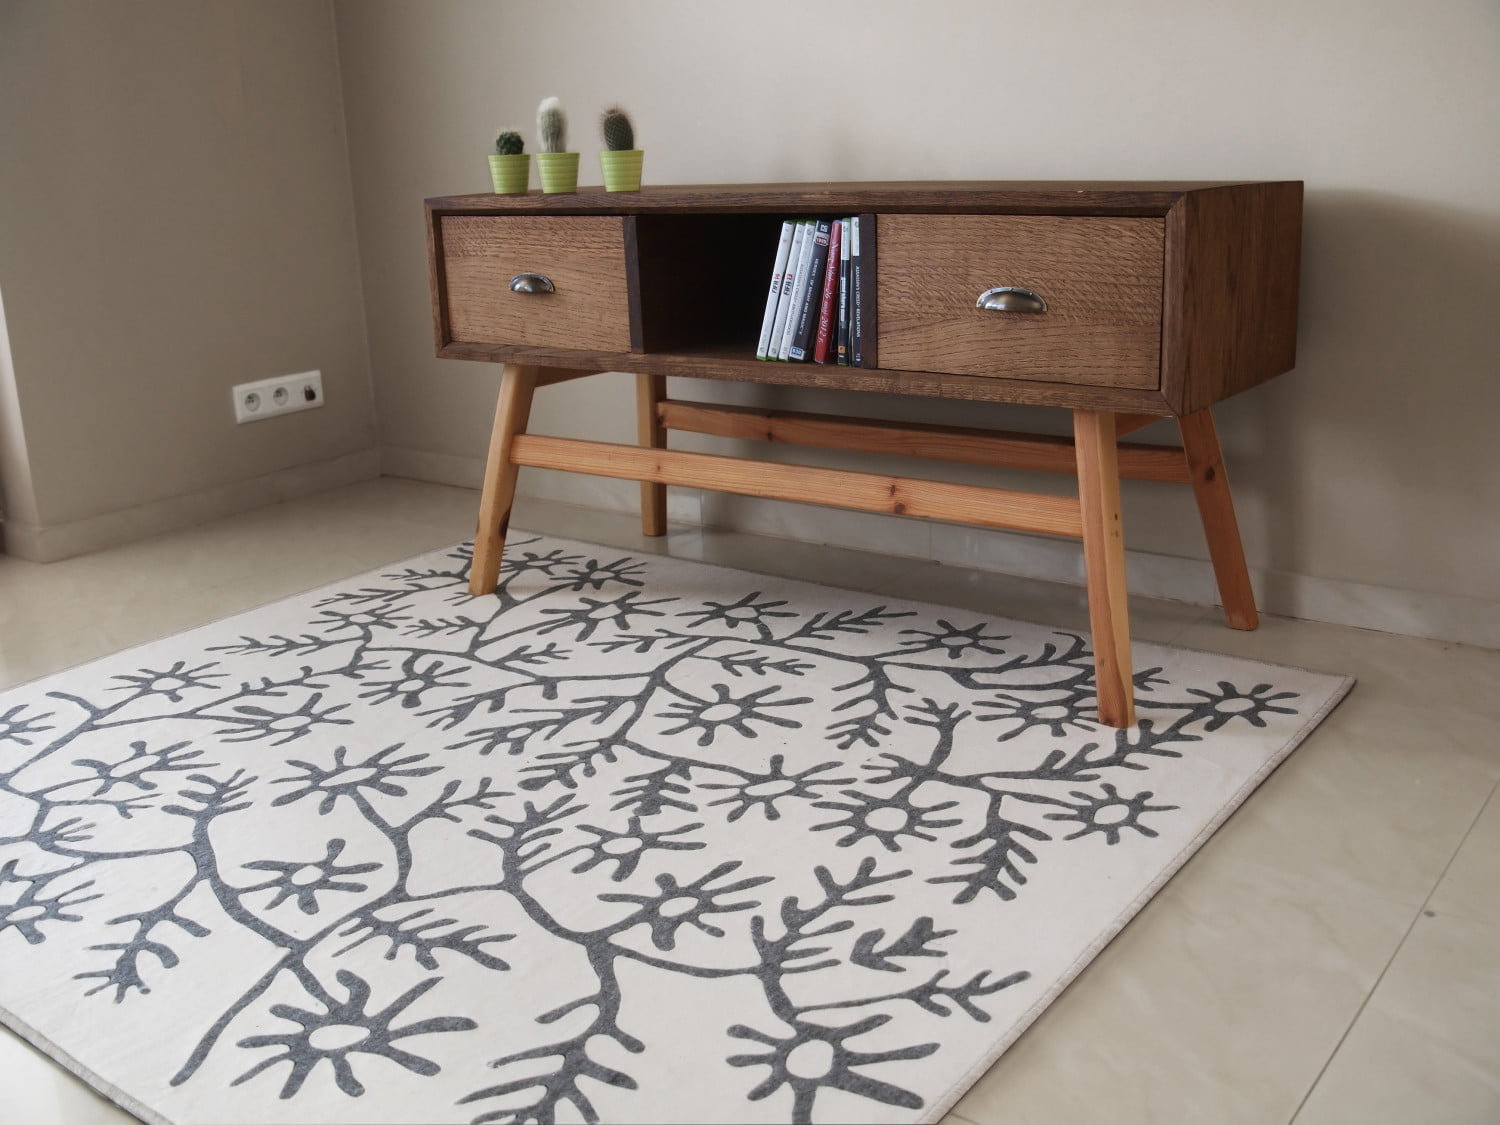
(552, 126)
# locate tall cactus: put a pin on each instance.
(552, 126)
(619, 133)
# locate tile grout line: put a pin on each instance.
(1400, 945)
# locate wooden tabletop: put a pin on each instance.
(1083, 197)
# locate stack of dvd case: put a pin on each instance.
(813, 308)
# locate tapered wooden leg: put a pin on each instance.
(512, 409)
(650, 390)
(1104, 562)
(1200, 440)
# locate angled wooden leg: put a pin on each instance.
(1200, 440)
(650, 390)
(1104, 562)
(517, 384)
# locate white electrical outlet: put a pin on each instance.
(286, 394)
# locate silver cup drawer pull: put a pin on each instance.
(531, 283)
(1008, 298)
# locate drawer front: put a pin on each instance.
(1101, 279)
(583, 257)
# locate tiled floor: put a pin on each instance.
(1331, 955)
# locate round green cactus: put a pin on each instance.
(509, 143)
(619, 133)
(552, 126)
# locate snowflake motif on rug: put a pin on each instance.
(588, 745)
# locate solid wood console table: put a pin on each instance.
(1161, 299)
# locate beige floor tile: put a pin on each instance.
(1387, 1074)
(95, 590)
(441, 505)
(36, 1091)
(117, 602)
(1221, 1001)
(277, 536)
(36, 597)
(1376, 802)
(1424, 1049)
(36, 645)
(1471, 885)
(1426, 673)
(401, 540)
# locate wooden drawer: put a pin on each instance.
(1101, 279)
(583, 257)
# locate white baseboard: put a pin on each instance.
(1413, 613)
(1416, 613)
(435, 468)
(1386, 609)
(61, 541)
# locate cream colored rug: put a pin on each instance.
(634, 840)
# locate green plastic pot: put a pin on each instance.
(558, 171)
(509, 173)
(622, 169)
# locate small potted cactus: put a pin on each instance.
(557, 167)
(621, 160)
(509, 166)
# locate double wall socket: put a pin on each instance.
(266, 398)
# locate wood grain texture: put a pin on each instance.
(1104, 563)
(649, 392)
(631, 230)
(583, 257)
(866, 492)
(1129, 423)
(731, 363)
(512, 410)
(1230, 316)
(550, 376)
(869, 290)
(992, 448)
(1101, 279)
(1200, 439)
(437, 276)
(978, 197)
(1223, 242)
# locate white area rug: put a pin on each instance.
(635, 840)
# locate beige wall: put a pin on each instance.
(174, 218)
(1371, 465)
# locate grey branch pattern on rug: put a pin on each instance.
(448, 792)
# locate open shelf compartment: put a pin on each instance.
(698, 283)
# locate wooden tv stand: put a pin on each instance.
(1162, 299)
